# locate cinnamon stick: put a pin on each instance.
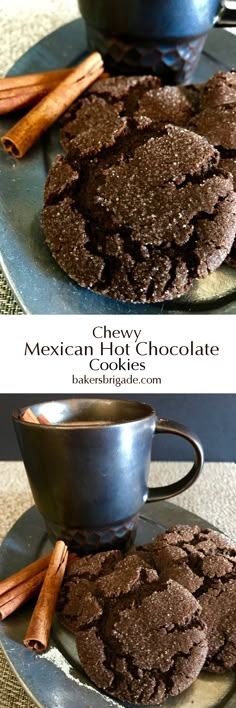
(19, 595)
(22, 575)
(42, 77)
(38, 632)
(29, 417)
(24, 134)
(23, 97)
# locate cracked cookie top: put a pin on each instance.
(97, 124)
(204, 562)
(137, 210)
(138, 639)
(167, 104)
(217, 122)
(138, 98)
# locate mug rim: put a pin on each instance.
(149, 413)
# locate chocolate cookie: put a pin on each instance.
(96, 125)
(100, 116)
(219, 90)
(117, 87)
(167, 104)
(137, 639)
(140, 98)
(218, 125)
(204, 562)
(81, 576)
(217, 118)
(217, 122)
(146, 216)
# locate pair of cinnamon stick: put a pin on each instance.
(18, 140)
(46, 573)
(20, 587)
(20, 92)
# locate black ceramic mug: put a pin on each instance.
(163, 37)
(89, 478)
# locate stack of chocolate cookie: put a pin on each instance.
(146, 624)
(143, 202)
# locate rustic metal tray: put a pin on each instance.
(55, 679)
(38, 283)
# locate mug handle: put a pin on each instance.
(170, 490)
(227, 18)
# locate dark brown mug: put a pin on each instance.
(88, 470)
(153, 36)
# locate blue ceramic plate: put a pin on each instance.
(39, 285)
(55, 678)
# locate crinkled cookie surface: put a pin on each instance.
(205, 563)
(138, 639)
(137, 209)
